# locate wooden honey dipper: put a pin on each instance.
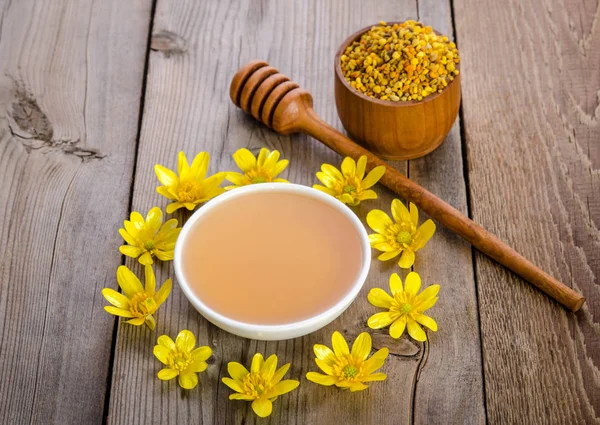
(282, 105)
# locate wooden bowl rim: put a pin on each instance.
(400, 104)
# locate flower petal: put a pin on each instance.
(128, 281)
(163, 292)
(161, 353)
(237, 370)
(118, 311)
(399, 212)
(262, 157)
(154, 219)
(164, 255)
(332, 171)
(150, 322)
(389, 255)
(149, 280)
(412, 284)
(373, 177)
(185, 341)
(166, 342)
(200, 165)
(269, 366)
(348, 167)
(201, 353)
(414, 214)
(233, 384)
(427, 304)
(280, 373)
(262, 407)
(164, 191)
(367, 194)
(376, 238)
(284, 387)
(339, 344)
(197, 366)
(362, 346)
(166, 176)
(324, 353)
(183, 167)
(361, 165)
(188, 380)
(357, 386)
(397, 328)
(115, 298)
(325, 366)
(415, 331)
(319, 378)
(426, 321)
(395, 283)
(236, 396)
(423, 234)
(257, 362)
(324, 189)
(165, 374)
(380, 320)
(146, 259)
(138, 321)
(375, 377)
(429, 292)
(379, 298)
(244, 159)
(130, 251)
(376, 361)
(378, 220)
(174, 206)
(280, 166)
(407, 259)
(127, 237)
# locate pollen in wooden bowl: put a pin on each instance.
(397, 88)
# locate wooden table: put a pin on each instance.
(94, 93)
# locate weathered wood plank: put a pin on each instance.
(198, 47)
(531, 83)
(70, 86)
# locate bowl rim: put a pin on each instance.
(340, 75)
(289, 330)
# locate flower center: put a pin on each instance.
(404, 237)
(349, 371)
(189, 192)
(405, 308)
(149, 245)
(349, 189)
(179, 360)
(258, 175)
(255, 385)
(142, 304)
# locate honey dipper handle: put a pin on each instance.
(439, 210)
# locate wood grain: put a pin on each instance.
(70, 85)
(187, 108)
(531, 123)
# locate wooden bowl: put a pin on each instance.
(395, 130)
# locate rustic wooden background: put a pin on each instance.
(94, 93)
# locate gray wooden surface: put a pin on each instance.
(79, 81)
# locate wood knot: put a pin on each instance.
(402, 347)
(168, 43)
(31, 121)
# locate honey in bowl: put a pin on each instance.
(271, 257)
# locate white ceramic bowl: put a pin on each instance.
(289, 330)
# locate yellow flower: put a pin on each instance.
(261, 385)
(136, 302)
(405, 307)
(349, 186)
(263, 169)
(149, 238)
(348, 369)
(181, 358)
(400, 235)
(191, 187)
